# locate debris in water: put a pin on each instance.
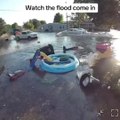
(100, 113)
(108, 87)
(16, 75)
(80, 47)
(72, 48)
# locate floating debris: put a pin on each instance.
(14, 76)
(80, 47)
(108, 87)
(72, 48)
(100, 113)
(38, 41)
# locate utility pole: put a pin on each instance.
(67, 21)
(67, 17)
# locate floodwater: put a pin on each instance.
(45, 39)
(87, 43)
(46, 96)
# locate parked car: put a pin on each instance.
(26, 35)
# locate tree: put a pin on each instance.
(14, 25)
(42, 22)
(2, 26)
(28, 25)
(7, 28)
(35, 22)
(107, 12)
(79, 18)
(58, 18)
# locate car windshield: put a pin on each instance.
(28, 32)
(24, 33)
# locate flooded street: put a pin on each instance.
(46, 96)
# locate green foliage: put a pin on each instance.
(42, 22)
(2, 26)
(58, 18)
(79, 18)
(14, 25)
(35, 22)
(7, 28)
(28, 25)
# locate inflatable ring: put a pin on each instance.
(61, 63)
(45, 56)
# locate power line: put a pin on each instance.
(9, 10)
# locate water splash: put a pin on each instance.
(115, 33)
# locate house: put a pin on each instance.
(52, 27)
(88, 25)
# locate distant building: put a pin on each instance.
(88, 25)
(52, 27)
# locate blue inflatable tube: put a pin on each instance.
(58, 65)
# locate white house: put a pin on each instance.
(53, 27)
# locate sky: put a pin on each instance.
(14, 10)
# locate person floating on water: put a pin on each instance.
(42, 54)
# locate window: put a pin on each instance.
(24, 33)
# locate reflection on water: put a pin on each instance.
(58, 42)
(43, 39)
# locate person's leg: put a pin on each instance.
(33, 60)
